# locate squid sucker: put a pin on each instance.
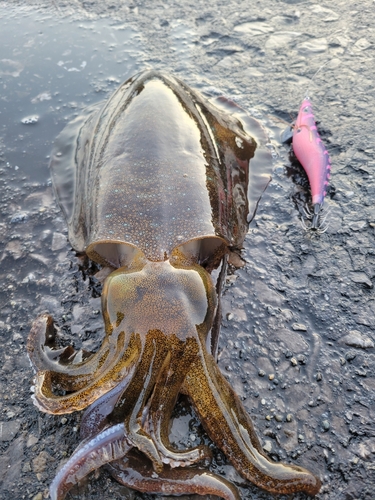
(158, 185)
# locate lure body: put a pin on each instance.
(313, 156)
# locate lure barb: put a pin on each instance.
(317, 217)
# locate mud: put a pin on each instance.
(297, 339)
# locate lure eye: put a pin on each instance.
(306, 110)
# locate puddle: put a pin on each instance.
(49, 69)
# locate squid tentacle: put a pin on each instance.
(106, 446)
(229, 425)
(49, 402)
(130, 407)
(72, 375)
(134, 472)
(157, 413)
(95, 418)
(163, 400)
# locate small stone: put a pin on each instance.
(350, 355)
(269, 417)
(9, 429)
(293, 361)
(362, 44)
(326, 425)
(356, 339)
(267, 446)
(30, 120)
(318, 376)
(357, 225)
(326, 15)
(40, 462)
(342, 361)
(365, 449)
(271, 376)
(19, 217)
(16, 337)
(299, 327)
(40, 258)
(301, 438)
(362, 278)
(31, 441)
(263, 401)
(58, 241)
(38, 496)
(26, 467)
(64, 420)
(278, 418)
(289, 417)
(301, 358)
(230, 316)
(14, 248)
(261, 373)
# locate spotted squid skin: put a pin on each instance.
(311, 152)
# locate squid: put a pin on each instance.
(158, 185)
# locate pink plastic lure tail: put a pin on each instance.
(313, 156)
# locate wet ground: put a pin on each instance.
(298, 332)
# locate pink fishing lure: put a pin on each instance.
(313, 156)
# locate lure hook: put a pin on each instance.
(317, 217)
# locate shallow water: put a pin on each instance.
(299, 318)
